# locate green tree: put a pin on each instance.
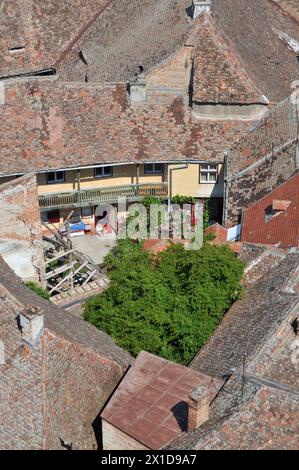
(169, 305)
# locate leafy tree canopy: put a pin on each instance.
(169, 305)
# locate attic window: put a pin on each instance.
(277, 207)
(16, 49)
(269, 214)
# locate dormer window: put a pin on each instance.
(276, 208)
(16, 49)
(269, 214)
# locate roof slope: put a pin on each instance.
(128, 34)
(267, 421)
(56, 390)
(283, 228)
(250, 321)
(291, 7)
(252, 27)
(62, 322)
(218, 75)
(256, 409)
(150, 404)
(45, 29)
(48, 124)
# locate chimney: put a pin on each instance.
(32, 325)
(138, 88)
(201, 7)
(199, 402)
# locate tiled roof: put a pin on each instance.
(150, 404)
(256, 409)
(57, 390)
(250, 321)
(267, 421)
(283, 228)
(252, 27)
(128, 34)
(47, 124)
(114, 46)
(291, 7)
(45, 29)
(218, 75)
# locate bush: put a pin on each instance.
(39, 290)
(169, 307)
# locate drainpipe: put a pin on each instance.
(137, 178)
(182, 167)
(78, 180)
(225, 198)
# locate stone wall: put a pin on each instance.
(20, 228)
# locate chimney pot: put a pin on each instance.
(201, 7)
(32, 323)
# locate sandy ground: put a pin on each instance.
(93, 246)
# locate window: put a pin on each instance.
(103, 172)
(208, 173)
(87, 212)
(269, 214)
(153, 168)
(16, 49)
(55, 177)
(52, 217)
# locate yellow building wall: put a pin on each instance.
(186, 182)
(122, 175)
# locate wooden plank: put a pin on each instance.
(69, 276)
(59, 256)
(60, 270)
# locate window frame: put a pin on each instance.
(153, 172)
(47, 218)
(87, 216)
(56, 180)
(208, 172)
(103, 168)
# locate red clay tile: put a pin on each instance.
(157, 408)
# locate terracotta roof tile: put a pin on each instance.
(48, 125)
(150, 404)
(219, 77)
(283, 228)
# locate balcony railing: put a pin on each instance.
(92, 197)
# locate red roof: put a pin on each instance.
(150, 404)
(282, 226)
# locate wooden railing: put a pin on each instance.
(90, 197)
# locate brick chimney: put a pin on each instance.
(199, 402)
(32, 324)
(200, 7)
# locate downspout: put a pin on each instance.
(225, 196)
(182, 167)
